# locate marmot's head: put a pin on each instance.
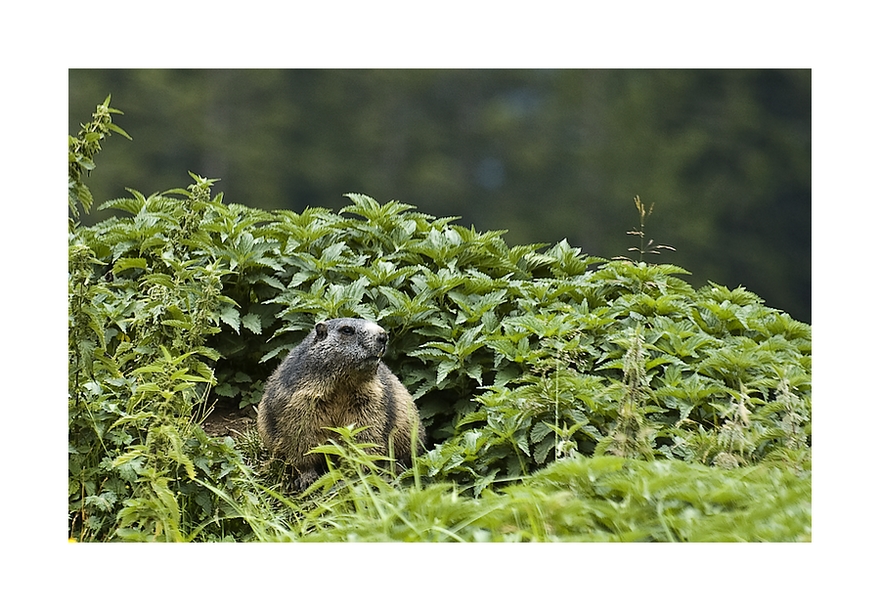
(349, 344)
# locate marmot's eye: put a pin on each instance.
(347, 330)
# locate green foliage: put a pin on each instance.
(141, 306)
(81, 153)
(584, 499)
(519, 357)
(726, 154)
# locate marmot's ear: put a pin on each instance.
(321, 330)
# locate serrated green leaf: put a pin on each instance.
(252, 323)
(230, 316)
(443, 370)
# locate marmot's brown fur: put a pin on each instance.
(335, 378)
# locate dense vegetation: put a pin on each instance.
(567, 397)
(541, 153)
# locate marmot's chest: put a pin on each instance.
(349, 407)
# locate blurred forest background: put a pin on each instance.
(545, 154)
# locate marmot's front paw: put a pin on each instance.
(304, 479)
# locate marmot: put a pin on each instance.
(335, 378)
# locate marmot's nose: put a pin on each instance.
(382, 338)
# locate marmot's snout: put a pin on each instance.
(374, 339)
(381, 342)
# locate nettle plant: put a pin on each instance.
(517, 356)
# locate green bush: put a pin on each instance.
(605, 498)
(519, 357)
